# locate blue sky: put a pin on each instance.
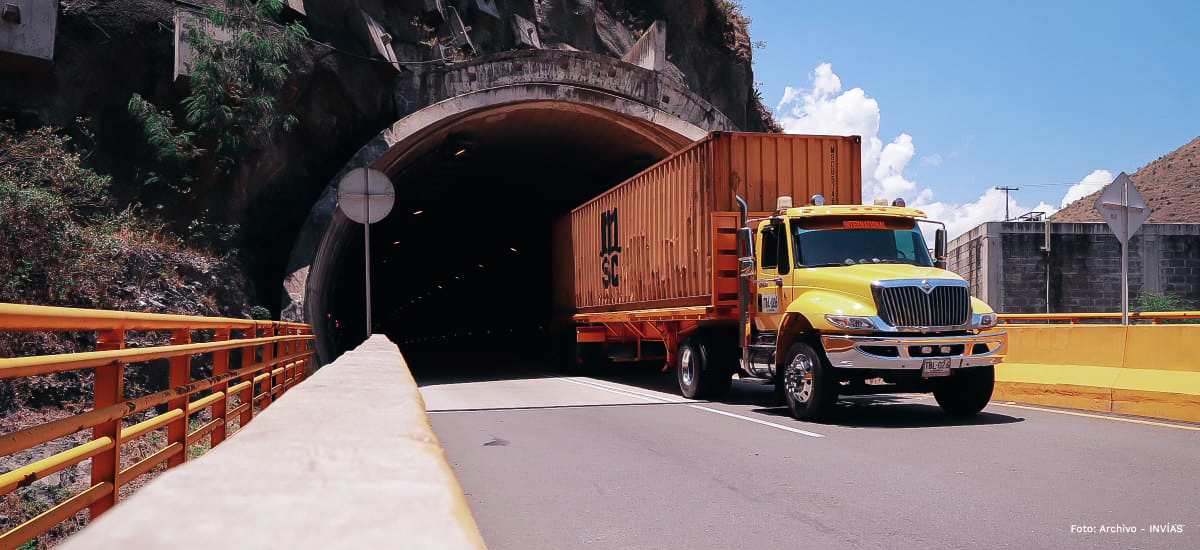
(1023, 94)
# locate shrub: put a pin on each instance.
(1152, 301)
(59, 232)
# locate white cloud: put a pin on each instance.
(825, 108)
(1086, 186)
(989, 207)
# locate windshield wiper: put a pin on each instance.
(826, 265)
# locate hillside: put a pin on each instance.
(1170, 185)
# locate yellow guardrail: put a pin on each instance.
(275, 356)
(1140, 369)
(1154, 317)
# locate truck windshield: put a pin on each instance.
(836, 247)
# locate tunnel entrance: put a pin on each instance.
(505, 146)
(462, 266)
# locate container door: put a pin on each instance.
(768, 286)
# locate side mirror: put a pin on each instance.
(939, 249)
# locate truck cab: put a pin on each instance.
(847, 299)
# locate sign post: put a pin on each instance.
(366, 196)
(1124, 209)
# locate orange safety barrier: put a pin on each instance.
(275, 356)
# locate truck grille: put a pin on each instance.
(910, 306)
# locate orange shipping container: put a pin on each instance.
(665, 237)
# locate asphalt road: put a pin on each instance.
(622, 461)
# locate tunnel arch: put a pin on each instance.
(608, 115)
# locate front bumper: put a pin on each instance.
(910, 352)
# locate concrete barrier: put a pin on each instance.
(1145, 370)
(346, 459)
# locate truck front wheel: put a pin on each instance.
(965, 392)
(700, 377)
(807, 383)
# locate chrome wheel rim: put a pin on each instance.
(798, 378)
(687, 366)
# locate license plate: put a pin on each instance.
(768, 303)
(935, 367)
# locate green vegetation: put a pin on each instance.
(260, 313)
(1152, 301)
(239, 67)
(733, 9)
(60, 234)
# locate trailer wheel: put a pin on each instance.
(699, 377)
(965, 392)
(808, 384)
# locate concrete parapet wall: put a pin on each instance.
(1007, 265)
(1145, 370)
(346, 459)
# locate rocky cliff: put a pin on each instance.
(341, 90)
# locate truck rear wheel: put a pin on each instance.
(808, 384)
(699, 376)
(965, 392)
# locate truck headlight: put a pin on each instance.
(987, 320)
(851, 323)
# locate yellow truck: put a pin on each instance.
(820, 300)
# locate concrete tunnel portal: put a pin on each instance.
(462, 265)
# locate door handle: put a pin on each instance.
(764, 282)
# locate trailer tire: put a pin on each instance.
(809, 384)
(698, 375)
(965, 392)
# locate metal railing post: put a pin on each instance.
(178, 375)
(220, 407)
(108, 389)
(268, 353)
(247, 395)
(289, 371)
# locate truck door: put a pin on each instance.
(773, 264)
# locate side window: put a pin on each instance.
(785, 265)
(770, 247)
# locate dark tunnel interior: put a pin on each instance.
(461, 267)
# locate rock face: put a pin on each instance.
(342, 90)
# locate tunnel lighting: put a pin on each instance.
(418, 212)
(460, 152)
(397, 242)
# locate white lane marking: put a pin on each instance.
(627, 393)
(1100, 416)
(697, 407)
(757, 421)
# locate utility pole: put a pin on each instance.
(1006, 190)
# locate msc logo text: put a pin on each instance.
(610, 249)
